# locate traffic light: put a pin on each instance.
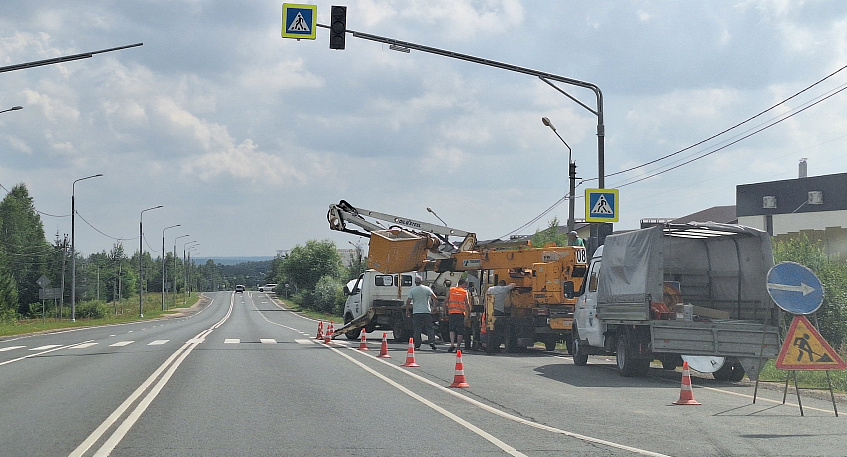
(337, 27)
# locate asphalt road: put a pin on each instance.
(243, 376)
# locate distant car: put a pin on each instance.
(267, 288)
(239, 289)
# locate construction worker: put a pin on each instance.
(421, 312)
(458, 309)
(574, 239)
(499, 294)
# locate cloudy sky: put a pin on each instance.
(246, 137)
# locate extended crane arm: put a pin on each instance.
(343, 213)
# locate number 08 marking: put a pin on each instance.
(580, 256)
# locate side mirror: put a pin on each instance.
(567, 289)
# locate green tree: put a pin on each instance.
(305, 265)
(27, 250)
(358, 263)
(832, 316)
(549, 235)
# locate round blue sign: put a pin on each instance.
(795, 288)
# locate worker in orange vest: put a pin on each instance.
(458, 309)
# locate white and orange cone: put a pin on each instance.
(328, 334)
(459, 377)
(363, 345)
(410, 355)
(383, 349)
(686, 395)
(320, 334)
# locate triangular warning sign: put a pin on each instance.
(805, 349)
(299, 24)
(602, 206)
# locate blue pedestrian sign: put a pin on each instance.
(298, 21)
(601, 205)
(795, 288)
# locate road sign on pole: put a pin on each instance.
(805, 349)
(795, 288)
(602, 205)
(299, 21)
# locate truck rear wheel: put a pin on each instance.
(550, 342)
(730, 371)
(629, 364)
(399, 331)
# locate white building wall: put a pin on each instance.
(785, 223)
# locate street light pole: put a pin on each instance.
(164, 256)
(141, 261)
(571, 173)
(185, 270)
(73, 247)
(14, 108)
(174, 269)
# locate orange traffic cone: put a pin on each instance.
(459, 377)
(383, 350)
(320, 334)
(410, 355)
(363, 345)
(686, 396)
(328, 335)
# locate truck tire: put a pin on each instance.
(730, 371)
(399, 331)
(580, 355)
(629, 364)
(351, 334)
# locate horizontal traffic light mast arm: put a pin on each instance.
(546, 77)
(86, 55)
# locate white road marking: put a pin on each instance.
(232, 341)
(44, 348)
(121, 344)
(196, 340)
(84, 345)
(10, 348)
(267, 341)
(302, 341)
(158, 342)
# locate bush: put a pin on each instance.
(92, 310)
(329, 295)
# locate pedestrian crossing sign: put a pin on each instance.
(298, 21)
(805, 349)
(601, 205)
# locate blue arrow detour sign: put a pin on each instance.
(795, 288)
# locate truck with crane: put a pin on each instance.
(677, 291)
(542, 303)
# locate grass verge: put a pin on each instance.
(112, 313)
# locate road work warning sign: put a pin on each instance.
(805, 349)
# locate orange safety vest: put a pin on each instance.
(456, 300)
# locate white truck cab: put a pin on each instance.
(585, 315)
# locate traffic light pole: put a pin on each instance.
(546, 77)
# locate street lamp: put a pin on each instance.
(164, 255)
(174, 269)
(193, 244)
(141, 261)
(571, 172)
(14, 108)
(186, 271)
(436, 215)
(73, 248)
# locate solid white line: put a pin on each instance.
(506, 415)
(489, 437)
(44, 352)
(171, 365)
